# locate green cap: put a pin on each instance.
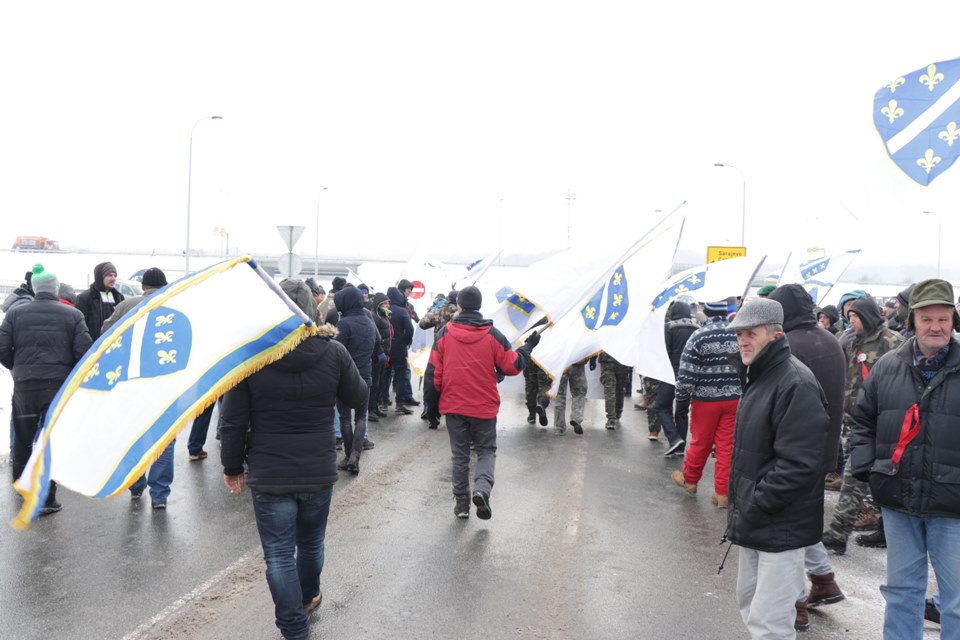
(928, 293)
(766, 290)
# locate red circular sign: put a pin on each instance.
(418, 290)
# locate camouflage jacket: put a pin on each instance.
(861, 354)
(437, 319)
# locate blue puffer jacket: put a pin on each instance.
(356, 330)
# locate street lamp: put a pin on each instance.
(316, 246)
(939, 238)
(189, 184)
(743, 215)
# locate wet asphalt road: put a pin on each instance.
(589, 539)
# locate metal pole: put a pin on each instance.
(743, 213)
(190, 186)
(316, 246)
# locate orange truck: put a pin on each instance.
(35, 243)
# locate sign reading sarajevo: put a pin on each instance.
(716, 254)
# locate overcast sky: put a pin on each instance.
(462, 126)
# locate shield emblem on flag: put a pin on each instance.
(609, 305)
(156, 345)
(918, 118)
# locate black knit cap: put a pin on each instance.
(154, 278)
(469, 299)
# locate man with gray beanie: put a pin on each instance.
(461, 383)
(40, 342)
(906, 444)
(776, 474)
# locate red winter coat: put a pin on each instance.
(467, 355)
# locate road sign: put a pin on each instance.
(289, 265)
(716, 254)
(418, 290)
(290, 235)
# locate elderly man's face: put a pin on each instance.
(933, 326)
(753, 340)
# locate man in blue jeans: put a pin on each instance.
(906, 444)
(279, 422)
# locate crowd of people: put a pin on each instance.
(791, 400)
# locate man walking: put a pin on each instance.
(776, 475)
(40, 342)
(461, 383)
(907, 445)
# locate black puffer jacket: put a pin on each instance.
(280, 420)
(817, 348)
(678, 330)
(89, 304)
(42, 340)
(382, 320)
(776, 475)
(356, 330)
(401, 323)
(927, 480)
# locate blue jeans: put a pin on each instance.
(198, 432)
(336, 421)
(399, 374)
(292, 527)
(910, 539)
(158, 478)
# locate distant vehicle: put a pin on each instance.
(128, 288)
(35, 243)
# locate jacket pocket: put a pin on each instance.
(886, 467)
(946, 474)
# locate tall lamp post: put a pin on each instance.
(743, 214)
(939, 238)
(316, 246)
(190, 182)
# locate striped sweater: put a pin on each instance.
(706, 371)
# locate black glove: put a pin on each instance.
(433, 415)
(533, 340)
(862, 476)
(593, 363)
(681, 414)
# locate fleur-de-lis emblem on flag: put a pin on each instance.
(919, 127)
(167, 357)
(608, 306)
(160, 337)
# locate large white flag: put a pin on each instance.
(152, 373)
(635, 335)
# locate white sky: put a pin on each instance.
(445, 122)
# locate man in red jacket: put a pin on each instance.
(468, 355)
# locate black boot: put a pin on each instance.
(877, 539)
(532, 415)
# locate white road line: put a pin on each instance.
(185, 599)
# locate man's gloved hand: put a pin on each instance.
(593, 363)
(682, 413)
(862, 476)
(533, 340)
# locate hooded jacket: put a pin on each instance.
(279, 421)
(819, 350)
(776, 474)
(381, 318)
(677, 331)
(461, 377)
(401, 323)
(356, 330)
(95, 310)
(865, 349)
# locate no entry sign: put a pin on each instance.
(418, 290)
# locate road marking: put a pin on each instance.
(183, 600)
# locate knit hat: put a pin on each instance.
(67, 294)
(363, 288)
(925, 294)
(758, 312)
(452, 297)
(469, 299)
(766, 290)
(44, 281)
(718, 308)
(339, 283)
(313, 286)
(102, 270)
(153, 278)
(297, 291)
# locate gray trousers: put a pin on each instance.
(576, 378)
(767, 588)
(480, 434)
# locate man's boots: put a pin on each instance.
(532, 416)
(802, 623)
(824, 590)
(353, 463)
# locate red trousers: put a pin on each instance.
(711, 425)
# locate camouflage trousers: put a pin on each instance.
(613, 377)
(650, 389)
(536, 384)
(576, 378)
(852, 495)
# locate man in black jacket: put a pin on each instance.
(97, 303)
(776, 477)
(279, 421)
(40, 341)
(906, 443)
(676, 333)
